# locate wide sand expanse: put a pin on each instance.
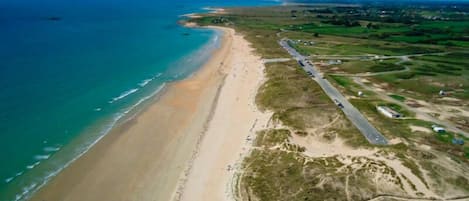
(143, 158)
(230, 132)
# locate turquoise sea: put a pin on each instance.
(70, 71)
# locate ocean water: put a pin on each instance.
(70, 71)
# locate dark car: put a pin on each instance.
(338, 103)
(301, 63)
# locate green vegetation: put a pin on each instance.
(410, 52)
(293, 96)
(443, 142)
(386, 67)
(466, 152)
(442, 177)
(389, 127)
(273, 173)
(280, 175)
(397, 97)
(363, 31)
(414, 168)
(348, 86)
(341, 80)
(385, 23)
(270, 138)
(369, 66)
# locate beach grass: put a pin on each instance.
(274, 173)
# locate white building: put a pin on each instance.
(442, 93)
(334, 62)
(388, 112)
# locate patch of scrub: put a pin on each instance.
(414, 128)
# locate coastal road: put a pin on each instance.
(357, 119)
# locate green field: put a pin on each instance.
(405, 52)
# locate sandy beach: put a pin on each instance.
(180, 143)
(231, 130)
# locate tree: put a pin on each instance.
(316, 35)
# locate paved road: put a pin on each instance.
(357, 119)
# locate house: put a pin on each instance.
(388, 112)
(438, 129)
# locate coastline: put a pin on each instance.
(212, 175)
(143, 158)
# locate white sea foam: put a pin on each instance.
(25, 191)
(33, 165)
(145, 98)
(29, 190)
(145, 82)
(41, 157)
(51, 149)
(123, 95)
(7, 180)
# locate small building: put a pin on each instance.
(438, 129)
(334, 62)
(360, 93)
(457, 141)
(388, 112)
(442, 93)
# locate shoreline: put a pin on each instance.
(228, 138)
(70, 185)
(26, 189)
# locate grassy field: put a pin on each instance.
(365, 66)
(278, 169)
(292, 95)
